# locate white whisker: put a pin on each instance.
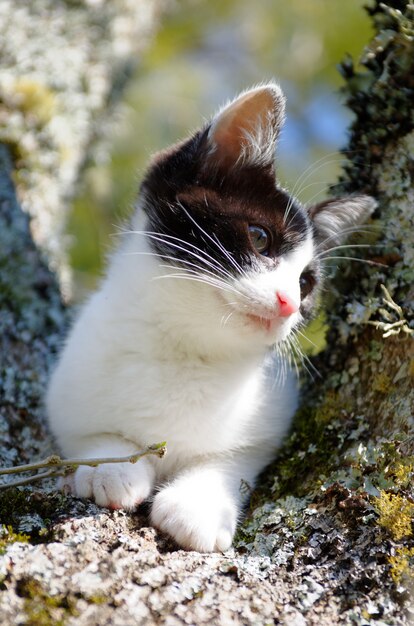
(215, 241)
(212, 280)
(367, 228)
(306, 338)
(304, 359)
(197, 268)
(196, 278)
(311, 169)
(351, 245)
(202, 256)
(351, 258)
(223, 323)
(215, 265)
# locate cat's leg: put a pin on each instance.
(113, 485)
(200, 508)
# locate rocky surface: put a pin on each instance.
(328, 537)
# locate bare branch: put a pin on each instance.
(56, 466)
(391, 326)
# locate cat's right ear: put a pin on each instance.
(244, 133)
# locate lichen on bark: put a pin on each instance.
(31, 321)
(63, 68)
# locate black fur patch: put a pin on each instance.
(202, 209)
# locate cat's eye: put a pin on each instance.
(306, 282)
(260, 239)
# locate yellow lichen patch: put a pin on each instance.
(400, 564)
(8, 536)
(395, 514)
(43, 609)
(403, 473)
(382, 383)
(35, 99)
(330, 409)
(411, 368)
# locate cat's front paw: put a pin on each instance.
(113, 485)
(195, 522)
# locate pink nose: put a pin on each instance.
(286, 305)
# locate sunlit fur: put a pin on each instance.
(258, 145)
(185, 341)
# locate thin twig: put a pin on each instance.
(56, 466)
(391, 327)
(32, 479)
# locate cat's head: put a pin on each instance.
(216, 214)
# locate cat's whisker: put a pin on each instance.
(210, 279)
(203, 253)
(278, 378)
(230, 257)
(215, 241)
(314, 167)
(326, 159)
(312, 200)
(330, 157)
(366, 229)
(304, 359)
(325, 253)
(289, 205)
(215, 266)
(227, 254)
(351, 258)
(196, 277)
(288, 222)
(227, 318)
(209, 260)
(311, 169)
(317, 182)
(227, 304)
(289, 359)
(312, 343)
(197, 268)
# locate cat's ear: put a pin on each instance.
(245, 131)
(335, 219)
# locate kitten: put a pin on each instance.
(220, 265)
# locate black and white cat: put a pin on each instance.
(220, 265)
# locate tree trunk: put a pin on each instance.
(328, 538)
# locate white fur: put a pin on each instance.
(153, 358)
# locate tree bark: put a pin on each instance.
(328, 537)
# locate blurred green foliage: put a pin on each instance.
(205, 52)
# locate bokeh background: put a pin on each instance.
(205, 52)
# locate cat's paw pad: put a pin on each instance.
(194, 522)
(114, 485)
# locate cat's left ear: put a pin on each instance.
(335, 219)
(244, 132)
